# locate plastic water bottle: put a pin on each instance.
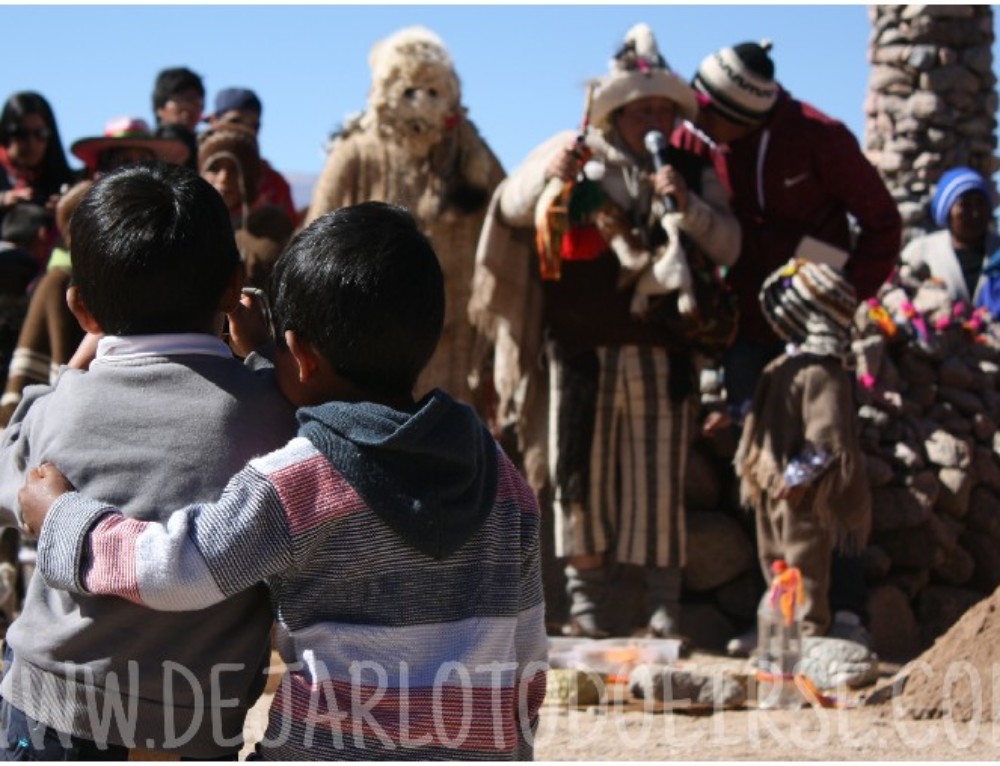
(779, 648)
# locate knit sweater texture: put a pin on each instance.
(143, 434)
(401, 552)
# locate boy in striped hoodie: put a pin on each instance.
(399, 542)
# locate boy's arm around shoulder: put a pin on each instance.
(197, 557)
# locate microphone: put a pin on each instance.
(656, 145)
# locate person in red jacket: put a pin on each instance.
(797, 179)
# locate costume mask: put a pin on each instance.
(415, 94)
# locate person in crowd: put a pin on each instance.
(797, 178)
(397, 538)
(179, 101)
(621, 382)
(33, 165)
(24, 242)
(126, 140)
(960, 253)
(799, 460)
(241, 106)
(261, 241)
(165, 412)
(23, 245)
(23, 239)
(414, 146)
(228, 159)
(177, 132)
(50, 333)
(178, 98)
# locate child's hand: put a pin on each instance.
(250, 323)
(42, 488)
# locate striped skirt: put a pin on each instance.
(618, 453)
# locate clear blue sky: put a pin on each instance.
(522, 67)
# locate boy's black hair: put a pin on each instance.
(170, 82)
(364, 286)
(22, 222)
(153, 250)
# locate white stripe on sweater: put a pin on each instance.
(297, 450)
(155, 549)
(328, 650)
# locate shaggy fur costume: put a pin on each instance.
(414, 147)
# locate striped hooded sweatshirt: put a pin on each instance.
(401, 552)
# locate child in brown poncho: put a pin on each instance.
(799, 459)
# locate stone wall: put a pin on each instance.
(932, 100)
(929, 405)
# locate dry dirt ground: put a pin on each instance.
(617, 732)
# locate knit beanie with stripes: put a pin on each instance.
(953, 185)
(739, 81)
(811, 305)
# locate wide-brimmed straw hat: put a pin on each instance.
(128, 133)
(639, 71)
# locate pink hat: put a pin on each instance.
(128, 132)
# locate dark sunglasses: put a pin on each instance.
(23, 134)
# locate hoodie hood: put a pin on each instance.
(430, 475)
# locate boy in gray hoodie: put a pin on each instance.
(163, 417)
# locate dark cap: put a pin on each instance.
(242, 99)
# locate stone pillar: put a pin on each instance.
(932, 100)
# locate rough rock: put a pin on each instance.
(664, 683)
(833, 662)
(895, 634)
(956, 488)
(945, 450)
(986, 553)
(719, 550)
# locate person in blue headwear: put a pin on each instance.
(960, 254)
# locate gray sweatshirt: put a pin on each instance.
(145, 432)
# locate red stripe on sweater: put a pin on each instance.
(469, 718)
(112, 568)
(534, 696)
(314, 493)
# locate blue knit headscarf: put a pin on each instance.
(953, 185)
